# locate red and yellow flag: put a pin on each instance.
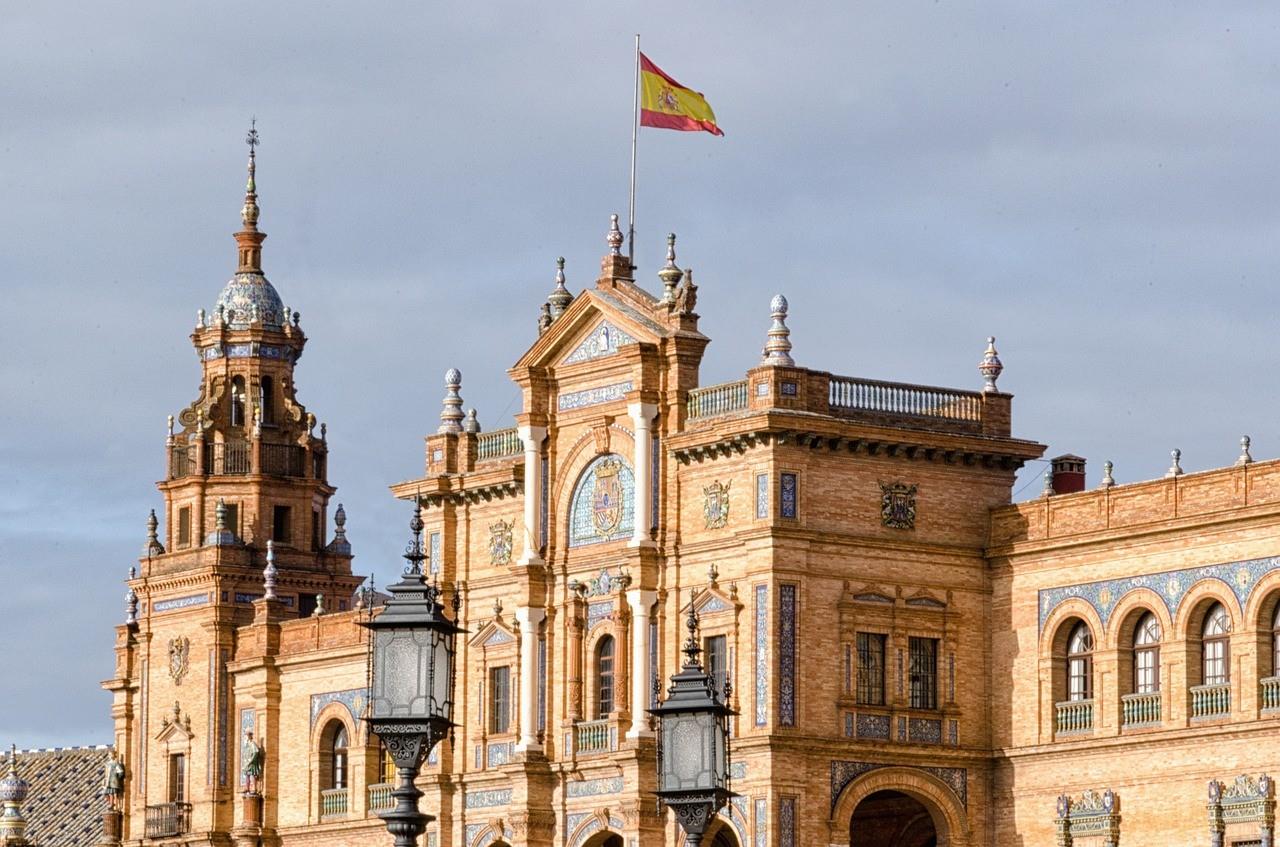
(667, 104)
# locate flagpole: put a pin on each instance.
(635, 131)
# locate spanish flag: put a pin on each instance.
(667, 104)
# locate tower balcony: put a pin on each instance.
(236, 458)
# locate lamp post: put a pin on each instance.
(412, 649)
(693, 743)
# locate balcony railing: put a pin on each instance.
(498, 444)
(718, 399)
(168, 820)
(1271, 693)
(1140, 709)
(182, 460)
(891, 398)
(593, 736)
(1211, 701)
(333, 802)
(380, 797)
(1074, 716)
(283, 459)
(227, 457)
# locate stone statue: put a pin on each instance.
(251, 756)
(113, 780)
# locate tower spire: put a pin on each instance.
(250, 239)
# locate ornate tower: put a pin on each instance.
(245, 469)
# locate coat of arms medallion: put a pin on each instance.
(500, 543)
(606, 497)
(179, 655)
(898, 505)
(715, 504)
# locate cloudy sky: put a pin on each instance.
(1095, 184)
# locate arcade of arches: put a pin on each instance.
(892, 819)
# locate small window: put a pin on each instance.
(604, 677)
(924, 672)
(233, 518)
(178, 778)
(184, 526)
(717, 662)
(315, 529)
(500, 700)
(1146, 655)
(1080, 663)
(1216, 647)
(871, 668)
(237, 401)
(266, 400)
(280, 524)
(338, 758)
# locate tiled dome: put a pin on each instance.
(249, 298)
(13, 788)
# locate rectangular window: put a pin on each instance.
(788, 494)
(500, 700)
(178, 778)
(871, 668)
(233, 518)
(762, 496)
(184, 526)
(280, 524)
(717, 661)
(1146, 671)
(924, 672)
(1215, 662)
(315, 529)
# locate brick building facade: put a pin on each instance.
(913, 659)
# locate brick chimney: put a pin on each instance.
(1068, 474)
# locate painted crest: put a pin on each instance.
(715, 504)
(898, 505)
(179, 654)
(606, 498)
(667, 100)
(500, 543)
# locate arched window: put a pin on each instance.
(1080, 663)
(237, 401)
(266, 400)
(338, 758)
(1146, 655)
(604, 677)
(1214, 647)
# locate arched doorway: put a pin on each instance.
(605, 839)
(720, 834)
(892, 819)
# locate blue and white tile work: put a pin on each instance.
(762, 822)
(1171, 586)
(488, 798)
(762, 496)
(787, 654)
(787, 495)
(249, 298)
(596, 499)
(433, 553)
(180, 602)
(762, 654)
(598, 612)
(603, 341)
(593, 396)
(352, 698)
(595, 787)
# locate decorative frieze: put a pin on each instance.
(1092, 815)
(352, 698)
(593, 396)
(187, 602)
(762, 654)
(595, 787)
(488, 798)
(603, 341)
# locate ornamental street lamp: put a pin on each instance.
(411, 683)
(693, 743)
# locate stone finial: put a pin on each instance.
(1107, 479)
(990, 367)
(324, 432)
(559, 298)
(200, 320)
(670, 274)
(713, 574)
(777, 350)
(14, 791)
(130, 607)
(222, 535)
(1245, 457)
(169, 438)
(451, 415)
(339, 544)
(1175, 469)
(297, 318)
(257, 420)
(319, 606)
(472, 423)
(1048, 483)
(249, 214)
(199, 423)
(544, 318)
(154, 547)
(614, 238)
(269, 573)
(497, 608)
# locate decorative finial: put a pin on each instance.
(319, 606)
(544, 318)
(220, 515)
(257, 421)
(1175, 469)
(13, 792)
(777, 350)
(497, 608)
(130, 607)
(1107, 479)
(413, 554)
(324, 432)
(1245, 458)
(1048, 483)
(222, 535)
(713, 573)
(200, 423)
(670, 274)
(472, 423)
(169, 439)
(990, 367)
(615, 236)
(269, 572)
(249, 214)
(691, 648)
(451, 415)
(559, 298)
(154, 547)
(339, 545)
(200, 321)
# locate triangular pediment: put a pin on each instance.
(494, 634)
(575, 337)
(175, 727)
(714, 600)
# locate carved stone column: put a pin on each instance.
(642, 415)
(529, 617)
(532, 438)
(641, 602)
(574, 625)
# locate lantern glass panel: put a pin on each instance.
(401, 673)
(440, 675)
(692, 747)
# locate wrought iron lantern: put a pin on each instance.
(693, 743)
(410, 703)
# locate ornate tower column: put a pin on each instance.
(642, 415)
(532, 438)
(530, 617)
(641, 602)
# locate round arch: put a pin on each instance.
(1128, 610)
(1198, 599)
(721, 833)
(604, 839)
(1053, 636)
(1261, 605)
(950, 820)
